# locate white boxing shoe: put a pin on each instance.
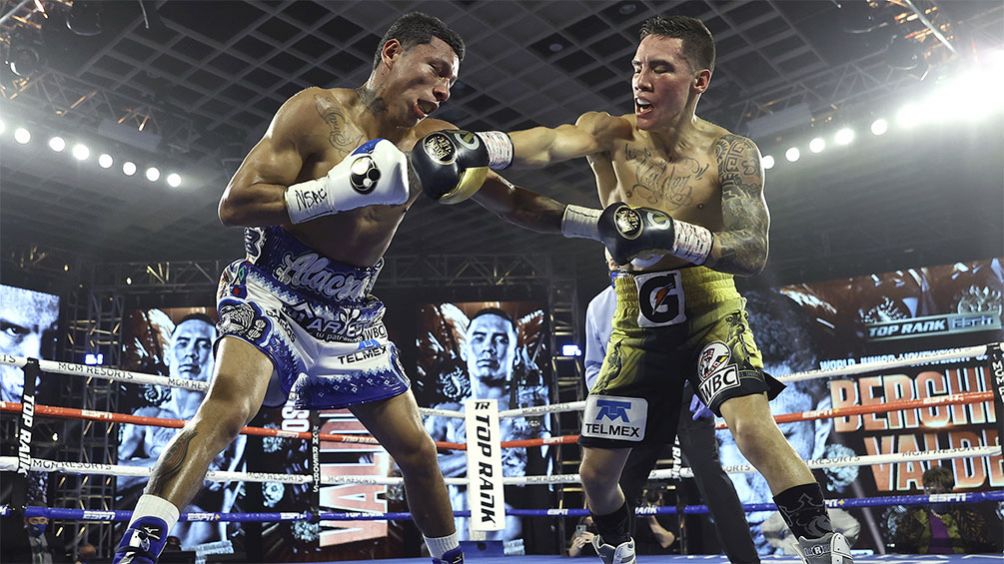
(832, 548)
(620, 554)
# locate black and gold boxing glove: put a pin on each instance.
(451, 165)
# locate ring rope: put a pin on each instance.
(907, 359)
(91, 415)
(44, 465)
(68, 514)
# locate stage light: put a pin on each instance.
(105, 161)
(92, 359)
(128, 168)
(174, 180)
(81, 152)
(880, 126)
(57, 144)
(767, 161)
(571, 350)
(817, 145)
(22, 135)
(909, 116)
(792, 154)
(844, 136)
(128, 281)
(152, 174)
(25, 61)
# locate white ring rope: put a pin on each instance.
(114, 374)
(42, 465)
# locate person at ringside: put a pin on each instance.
(692, 191)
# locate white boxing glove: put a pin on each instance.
(375, 174)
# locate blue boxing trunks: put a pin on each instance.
(314, 318)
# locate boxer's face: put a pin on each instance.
(420, 79)
(663, 81)
(191, 353)
(491, 348)
(25, 318)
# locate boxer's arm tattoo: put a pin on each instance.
(171, 464)
(741, 246)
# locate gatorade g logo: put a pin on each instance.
(613, 410)
(660, 299)
(439, 147)
(364, 174)
(628, 222)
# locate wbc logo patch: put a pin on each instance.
(715, 371)
(615, 417)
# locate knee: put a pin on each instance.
(590, 475)
(753, 438)
(417, 457)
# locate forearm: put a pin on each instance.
(743, 253)
(664, 537)
(257, 205)
(524, 208)
(541, 146)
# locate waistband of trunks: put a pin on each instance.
(701, 286)
(274, 253)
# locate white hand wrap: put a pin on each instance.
(499, 147)
(375, 174)
(691, 242)
(581, 223)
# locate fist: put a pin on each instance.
(450, 165)
(628, 232)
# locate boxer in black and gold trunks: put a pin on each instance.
(693, 191)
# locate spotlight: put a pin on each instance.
(128, 168)
(129, 280)
(22, 135)
(85, 18)
(880, 126)
(768, 162)
(152, 174)
(817, 145)
(105, 161)
(173, 180)
(792, 154)
(81, 152)
(844, 136)
(25, 61)
(909, 116)
(57, 144)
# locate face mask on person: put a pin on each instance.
(36, 529)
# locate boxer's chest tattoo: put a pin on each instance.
(342, 135)
(657, 182)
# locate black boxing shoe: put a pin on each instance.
(142, 542)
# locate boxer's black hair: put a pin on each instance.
(196, 317)
(416, 28)
(698, 43)
(494, 311)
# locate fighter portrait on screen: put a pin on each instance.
(485, 350)
(180, 340)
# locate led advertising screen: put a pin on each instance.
(886, 316)
(175, 342)
(486, 350)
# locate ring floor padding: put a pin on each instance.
(708, 559)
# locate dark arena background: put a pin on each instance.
(122, 121)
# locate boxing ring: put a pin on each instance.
(489, 450)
